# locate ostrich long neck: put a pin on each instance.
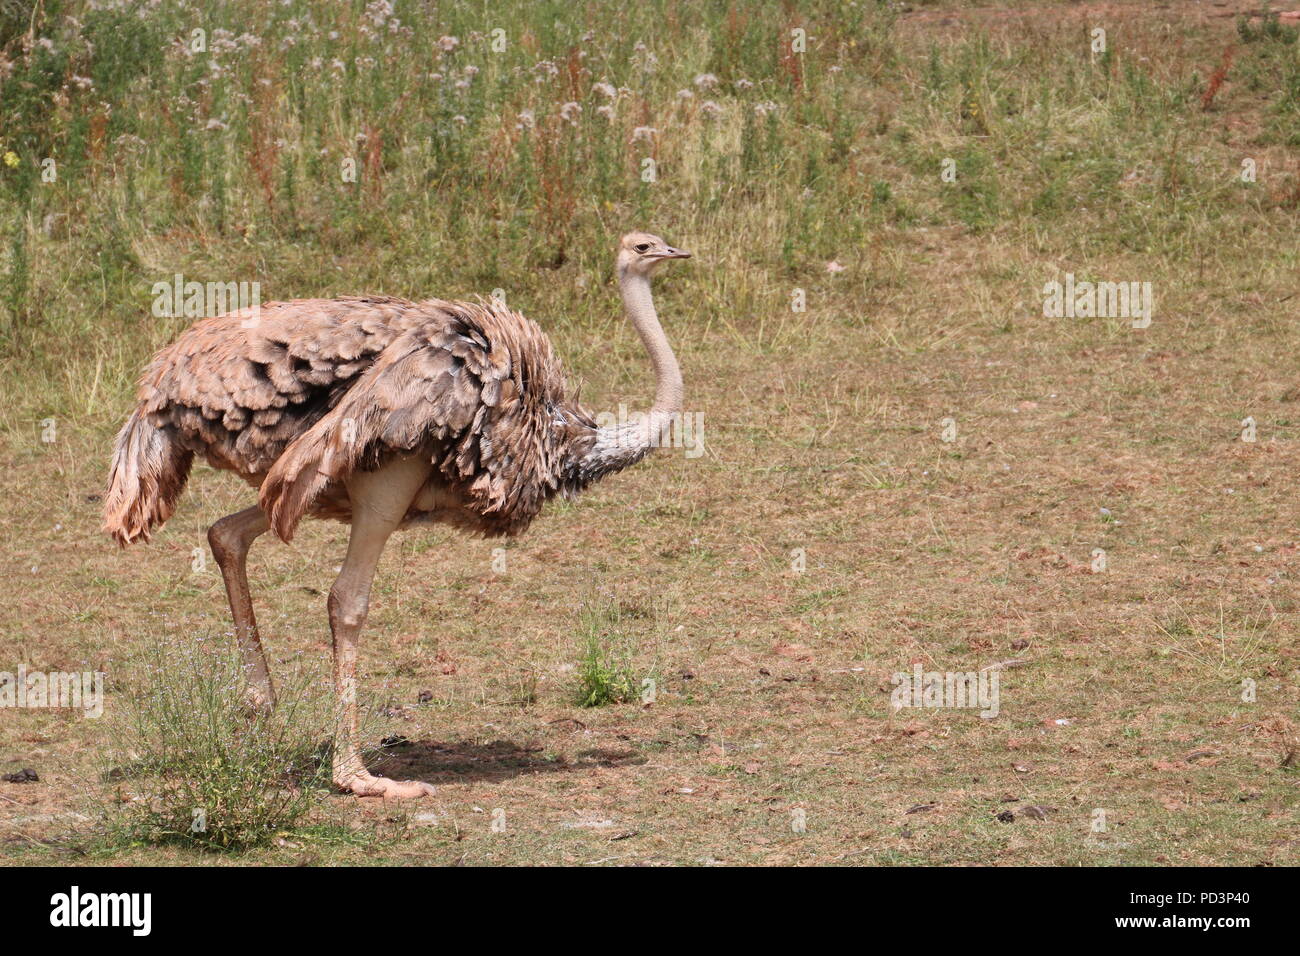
(624, 444)
(640, 308)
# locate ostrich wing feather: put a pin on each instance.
(476, 393)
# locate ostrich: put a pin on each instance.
(380, 413)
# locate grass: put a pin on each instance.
(823, 426)
(605, 671)
(188, 764)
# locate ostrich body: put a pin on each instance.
(380, 413)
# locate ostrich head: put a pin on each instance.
(640, 252)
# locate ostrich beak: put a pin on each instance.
(671, 253)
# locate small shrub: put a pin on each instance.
(605, 674)
(192, 765)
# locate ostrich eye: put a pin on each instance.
(642, 246)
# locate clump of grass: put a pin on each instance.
(605, 672)
(519, 691)
(191, 765)
(1270, 27)
(1225, 647)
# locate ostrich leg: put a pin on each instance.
(380, 500)
(230, 538)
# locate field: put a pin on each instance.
(907, 461)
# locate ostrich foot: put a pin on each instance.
(368, 785)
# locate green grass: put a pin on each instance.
(228, 165)
(605, 674)
(188, 764)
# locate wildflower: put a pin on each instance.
(378, 11)
(833, 267)
(11, 159)
(215, 123)
(605, 88)
(448, 44)
(644, 134)
(606, 111)
(710, 109)
(569, 112)
(685, 95)
(647, 59)
(744, 84)
(129, 144)
(527, 119)
(223, 41)
(706, 81)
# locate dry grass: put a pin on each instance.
(775, 684)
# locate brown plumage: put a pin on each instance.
(379, 412)
(317, 388)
